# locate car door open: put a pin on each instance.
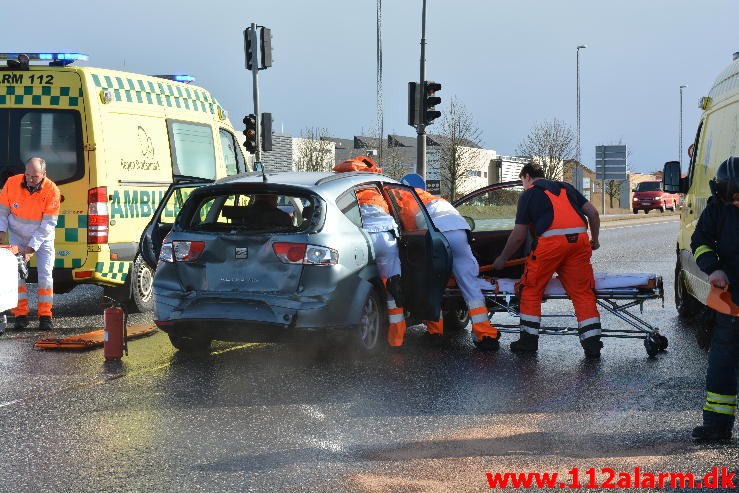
(425, 256)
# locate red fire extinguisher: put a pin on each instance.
(115, 340)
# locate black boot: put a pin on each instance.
(487, 343)
(592, 346)
(526, 343)
(45, 323)
(711, 433)
(21, 322)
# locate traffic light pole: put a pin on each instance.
(421, 143)
(255, 87)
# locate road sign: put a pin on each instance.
(610, 162)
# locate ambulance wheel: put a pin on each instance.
(651, 345)
(456, 319)
(686, 305)
(189, 343)
(142, 279)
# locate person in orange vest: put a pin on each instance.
(382, 229)
(465, 269)
(715, 246)
(556, 212)
(29, 208)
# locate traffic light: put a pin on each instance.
(250, 132)
(413, 102)
(266, 131)
(249, 47)
(430, 101)
(265, 36)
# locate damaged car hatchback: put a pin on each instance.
(258, 257)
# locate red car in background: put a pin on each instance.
(649, 195)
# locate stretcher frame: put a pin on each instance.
(616, 301)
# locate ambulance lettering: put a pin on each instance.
(137, 203)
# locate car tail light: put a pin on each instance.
(181, 251)
(303, 253)
(97, 215)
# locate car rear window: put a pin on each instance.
(264, 212)
(649, 186)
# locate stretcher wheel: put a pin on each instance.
(661, 341)
(651, 344)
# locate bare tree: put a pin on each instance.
(313, 152)
(551, 143)
(613, 190)
(460, 148)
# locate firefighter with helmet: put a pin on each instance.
(465, 269)
(29, 208)
(557, 213)
(382, 229)
(715, 246)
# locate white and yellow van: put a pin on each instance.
(716, 140)
(113, 141)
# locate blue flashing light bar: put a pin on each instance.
(61, 58)
(177, 77)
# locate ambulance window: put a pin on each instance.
(232, 156)
(54, 136)
(193, 150)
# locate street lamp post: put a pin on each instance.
(680, 139)
(578, 102)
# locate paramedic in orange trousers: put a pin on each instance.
(29, 208)
(382, 228)
(465, 269)
(556, 213)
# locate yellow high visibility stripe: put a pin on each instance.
(701, 250)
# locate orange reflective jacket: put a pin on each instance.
(30, 217)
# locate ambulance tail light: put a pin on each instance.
(97, 215)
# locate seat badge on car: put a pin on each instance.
(242, 253)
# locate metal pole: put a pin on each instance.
(603, 181)
(680, 140)
(421, 141)
(577, 156)
(255, 86)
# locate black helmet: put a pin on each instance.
(726, 184)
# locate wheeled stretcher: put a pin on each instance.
(617, 294)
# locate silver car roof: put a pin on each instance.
(324, 183)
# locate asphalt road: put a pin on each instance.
(303, 417)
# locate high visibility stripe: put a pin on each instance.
(529, 318)
(720, 409)
(476, 305)
(528, 330)
(391, 304)
(701, 250)
(396, 318)
(589, 321)
(562, 231)
(590, 333)
(721, 398)
(45, 299)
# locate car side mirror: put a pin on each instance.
(671, 181)
(470, 221)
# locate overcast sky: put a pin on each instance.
(511, 63)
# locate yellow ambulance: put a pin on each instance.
(716, 140)
(113, 142)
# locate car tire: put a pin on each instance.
(456, 319)
(686, 305)
(370, 334)
(662, 209)
(189, 343)
(636, 211)
(646, 211)
(142, 280)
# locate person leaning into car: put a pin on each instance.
(556, 212)
(29, 209)
(381, 227)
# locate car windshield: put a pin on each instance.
(264, 212)
(649, 186)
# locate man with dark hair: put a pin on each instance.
(555, 212)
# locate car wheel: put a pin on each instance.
(142, 280)
(456, 319)
(662, 209)
(189, 343)
(646, 211)
(636, 211)
(371, 332)
(686, 305)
